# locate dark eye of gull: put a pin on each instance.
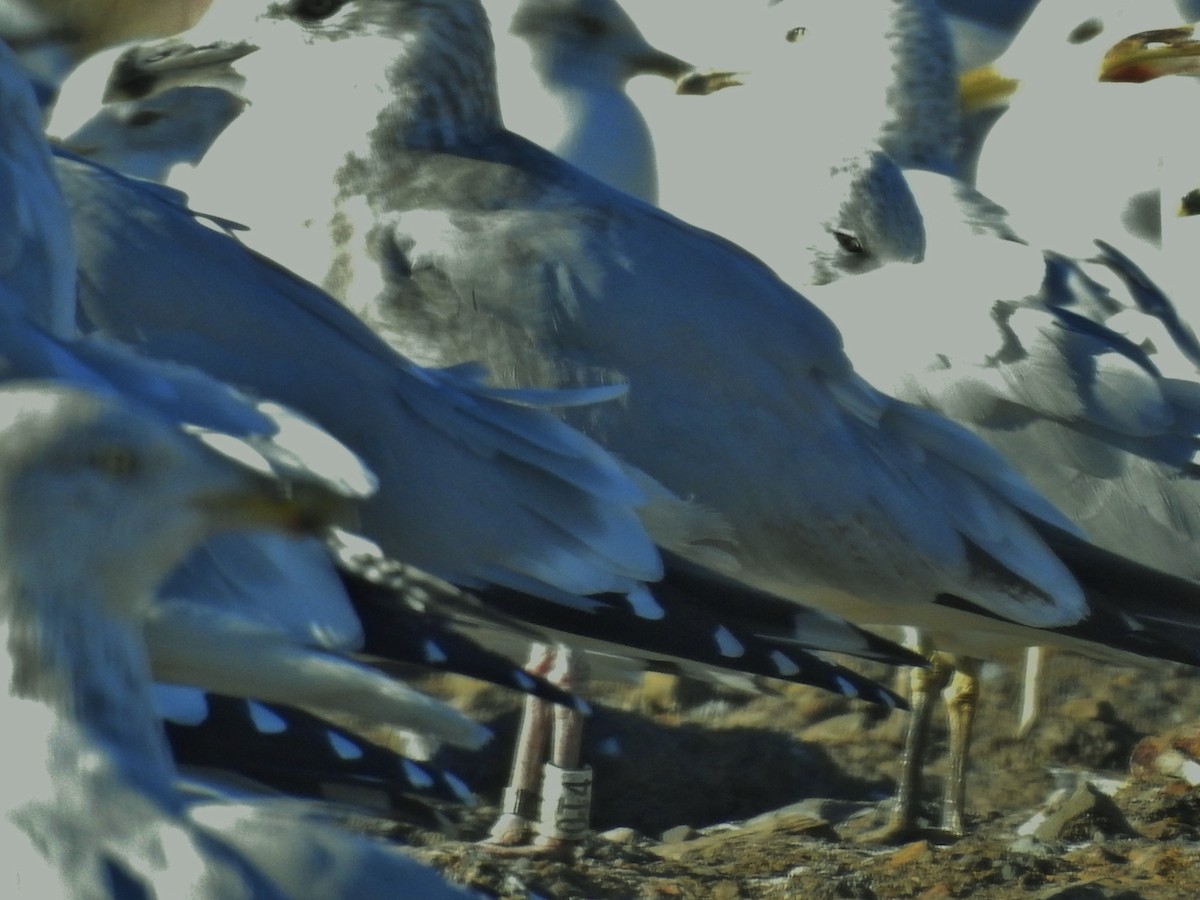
(1085, 31)
(1189, 203)
(315, 10)
(848, 241)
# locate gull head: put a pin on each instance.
(596, 42)
(330, 77)
(314, 21)
(872, 219)
(99, 493)
(148, 138)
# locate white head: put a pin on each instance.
(864, 216)
(96, 493)
(147, 138)
(592, 40)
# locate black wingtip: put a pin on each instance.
(302, 754)
(880, 649)
(399, 635)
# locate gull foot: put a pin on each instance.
(510, 830)
(542, 848)
(896, 831)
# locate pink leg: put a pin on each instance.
(566, 787)
(519, 806)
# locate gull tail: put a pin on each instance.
(1133, 608)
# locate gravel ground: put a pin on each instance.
(764, 798)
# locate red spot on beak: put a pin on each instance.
(1131, 73)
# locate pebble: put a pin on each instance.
(1085, 812)
(622, 835)
(679, 834)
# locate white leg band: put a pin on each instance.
(566, 802)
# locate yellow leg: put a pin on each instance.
(926, 683)
(519, 806)
(566, 787)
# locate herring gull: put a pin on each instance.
(148, 138)
(90, 809)
(104, 222)
(40, 340)
(567, 91)
(459, 241)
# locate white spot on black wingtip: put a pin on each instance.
(727, 644)
(784, 664)
(434, 655)
(343, 746)
(266, 721)
(461, 791)
(524, 683)
(846, 687)
(416, 775)
(181, 705)
(610, 747)
(644, 605)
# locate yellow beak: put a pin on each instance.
(983, 88)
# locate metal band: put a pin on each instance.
(519, 802)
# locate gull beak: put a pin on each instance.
(985, 87)
(701, 84)
(1152, 54)
(1189, 204)
(256, 487)
(152, 68)
(261, 502)
(688, 79)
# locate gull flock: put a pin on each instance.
(344, 338)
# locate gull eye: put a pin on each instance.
(1189, 203)
(848, 241)
(144, 117)
(315, 10)
(794, 34)
(117, 462)
(1085, 31)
